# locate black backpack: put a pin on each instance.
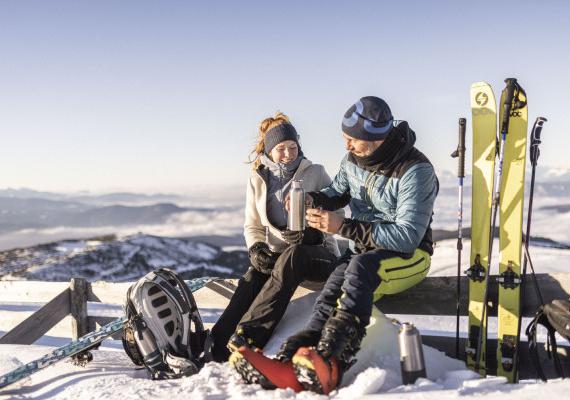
(164, 331)
(555, 317)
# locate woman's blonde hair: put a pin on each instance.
(265, 125)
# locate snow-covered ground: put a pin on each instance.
(112, 376)
(377, 374)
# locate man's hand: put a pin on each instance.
(324, 221)
(308, 201)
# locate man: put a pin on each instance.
(391, 188)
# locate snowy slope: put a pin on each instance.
(112, 376)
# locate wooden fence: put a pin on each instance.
(435, 296)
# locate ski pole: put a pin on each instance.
(507, 105)
(534, 154)
(459, 153)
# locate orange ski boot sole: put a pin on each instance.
(254, 367)
(314, 372)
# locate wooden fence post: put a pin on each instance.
(78, 307)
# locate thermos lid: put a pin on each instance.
(296, 183)
(407, 327)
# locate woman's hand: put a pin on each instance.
(308, 201)
(324, 221)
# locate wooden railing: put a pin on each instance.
(435, 296)
(62, 299)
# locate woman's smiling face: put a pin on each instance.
(285, 152)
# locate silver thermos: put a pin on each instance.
(411, 354)
(296, 218)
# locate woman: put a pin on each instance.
(280, 259)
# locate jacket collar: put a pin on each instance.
(396, 147)
(263, 171)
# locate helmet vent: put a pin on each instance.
(159, 301)
(154, 289)
(169, 328)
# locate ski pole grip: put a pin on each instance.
(537, 129)
(461, 148)
(535, 139)
(509, 94)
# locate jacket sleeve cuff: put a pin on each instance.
(358, 231)
(329, 203)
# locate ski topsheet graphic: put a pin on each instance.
(484, 116)
(510, 230)
(77, 346)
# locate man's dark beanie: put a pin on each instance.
(278, 134)
(368, 119)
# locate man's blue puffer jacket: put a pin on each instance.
(391, 195)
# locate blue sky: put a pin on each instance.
(166, 95)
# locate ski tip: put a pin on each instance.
(480, 84)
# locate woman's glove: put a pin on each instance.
(262, 258)
(310, 236)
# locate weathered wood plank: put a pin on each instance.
(36, 325)
(108, 292)
(97, 322)
(527, 370)
(436, 296)
(78, 307)
(30, 291)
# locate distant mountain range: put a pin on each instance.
(552, 189)
(120, 259)
(555, 181)
(115, 259)
(37, 213)
(82, 197)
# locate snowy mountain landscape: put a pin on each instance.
(132, 135)
(203, 238)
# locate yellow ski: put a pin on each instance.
(510, 233)
(484, 118)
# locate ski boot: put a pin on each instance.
(321, 369)
(270, 373)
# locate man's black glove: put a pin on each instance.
(310, 236)
(313, 236)
(304, 338)
(262, 258)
